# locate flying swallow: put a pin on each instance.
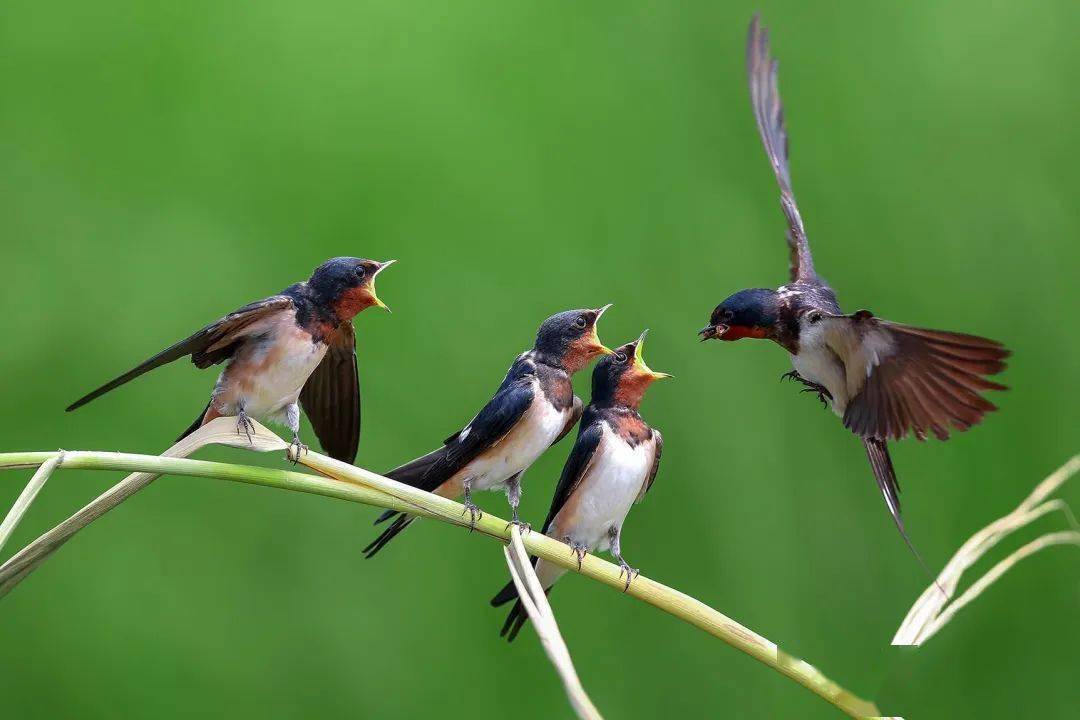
(533, 409)
(296, 346)
(883, 379)
(613, 464)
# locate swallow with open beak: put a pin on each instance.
(884, 379)
(533, 409)
(613, 464)
(296, 348)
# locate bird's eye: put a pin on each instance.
(728, 314)
(620, 357)
(360, 271)
(815, 318)
(581, 322)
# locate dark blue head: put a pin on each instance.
(346, 285)
(569, 339)
(748, 313)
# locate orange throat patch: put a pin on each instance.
(632, 387)
(353, 301)
(738, 332)
(580, 353)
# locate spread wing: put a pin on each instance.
(331, 396)
(576, 468)
(658, 450)
(761, 71)
(905, 379)
(213, 344)
(575, 415)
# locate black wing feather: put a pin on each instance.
(498, 418)
(487, 429)
(761, 71)
(575, 468)
(213, 344)
(331, 396)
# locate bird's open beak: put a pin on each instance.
(598, 347)
(713, 332)
(639, 360)
(375, 298)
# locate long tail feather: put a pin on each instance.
(877, 451)
(402, 522)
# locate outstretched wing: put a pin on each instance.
(761, 72)
(576, 468)
(213, 344)
(905, 379)
(658, 450)
(331, 396)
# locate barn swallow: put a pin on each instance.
(298, 345)
(613, 464)
(534, 408)
(883, 379)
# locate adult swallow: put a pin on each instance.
(294, 347)
(534, 408)
(613, 464)
(882, 378)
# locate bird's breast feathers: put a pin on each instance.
(268, 372)
(607, 492)
(518, 449)
(835, 353)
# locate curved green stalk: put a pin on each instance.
(354, 484)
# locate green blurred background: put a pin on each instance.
(162, 164)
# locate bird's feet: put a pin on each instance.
(629, 572)
(523, 527)
(579, 550)
(475, 513)
(821, 390)
(809, 386)
(296, 448)
(245, 426)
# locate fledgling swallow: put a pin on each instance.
(613, 464)
(534, 408)
(884, 379)
(298, 345)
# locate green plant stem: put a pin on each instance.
(364, 487)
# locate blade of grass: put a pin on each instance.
(26, 498)
(222, 432)
(932, 610)
(535, 602)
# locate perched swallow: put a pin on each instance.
(883, 379)
(613, 464)
(534, 408)
(297, 345)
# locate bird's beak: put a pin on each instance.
(375, 298)
(713, 332)
(599, 347)
(639, 360)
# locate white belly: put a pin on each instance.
(608, 492)
(520, 448)
(817, 363)
(265, 378)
